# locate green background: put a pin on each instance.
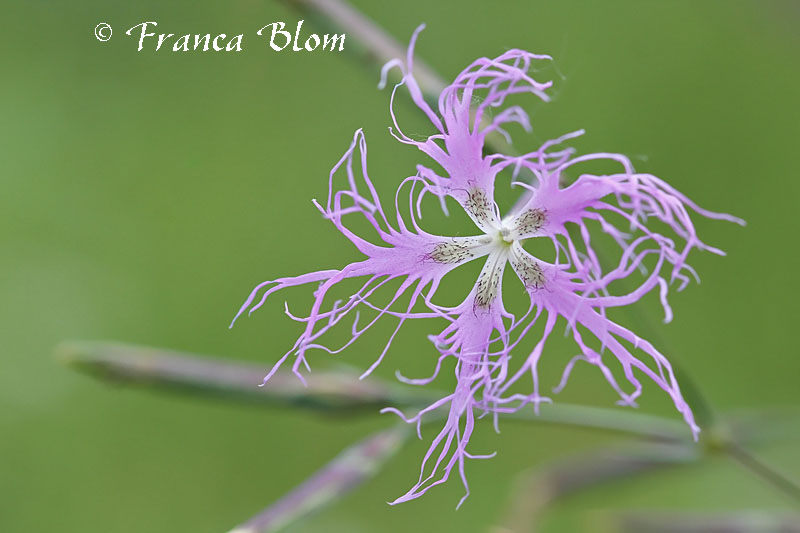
(145, 193)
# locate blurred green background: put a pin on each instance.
(144, 194)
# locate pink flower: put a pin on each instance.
(561, 205)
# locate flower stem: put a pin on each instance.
(372, 46)
(540, 488)
(741, 521)
(348, 470)
(333, 391)
(366, 41)
(170, 371)
(618, 420)
(764, 471)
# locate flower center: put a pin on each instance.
(506, 247)
(524, 224)
(501, 244)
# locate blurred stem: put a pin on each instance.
(366, 41)
(347, 471)
(535, 491)
(372, 46)
(754, 426)
(343, 392)
(764, 471)
(642, 425)
(230, 380)
(327, 391)
(660, 522)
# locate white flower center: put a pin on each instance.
(501, 243)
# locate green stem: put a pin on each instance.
(347, 471)
(538, 490)
(663, 522)
(617, 420)
(370, 45)
(340, 392)
(366, 41)
(764, 471)
(170, 371)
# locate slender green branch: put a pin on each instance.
(341, 392)
(608, 419)
(220, 378)
(537, 490)
(371, 46)
(785, 485)
(660, 522)
(366, 41)
(347, 471)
